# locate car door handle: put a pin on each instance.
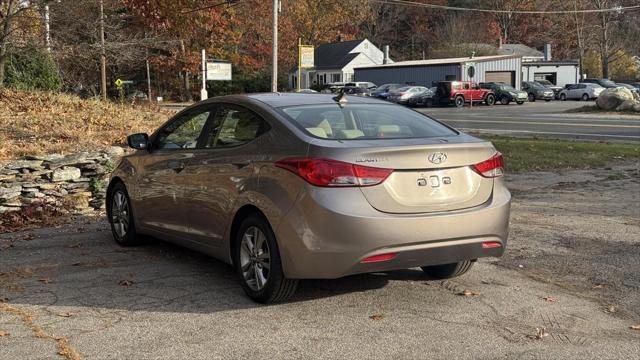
(176, 166)
(240, 165)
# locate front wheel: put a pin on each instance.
(532, 98)
(519, 102)
(257, 262)
(459, 101)
(505, 100)
(121, 216)
(563, 97)
(448, 271)
(491, 99)
(585, 97)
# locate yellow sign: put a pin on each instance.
(119, 83)
(306, 56)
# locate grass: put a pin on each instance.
(35, 123)
(522, 155)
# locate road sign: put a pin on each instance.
(118, 83)
(306, 56)
(217, 70)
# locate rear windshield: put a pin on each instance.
(364, 122)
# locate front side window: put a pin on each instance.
(183, 132)
(233, 126)
(364, 122)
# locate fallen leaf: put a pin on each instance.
(3, 333)
(634, 327)
(611, 309)
(540, 334)
(469, 293)
(74, 246)
(28, 237)
(521, 266)
(376, 317)
(45, 280)
(598, 286)
(549, 299)
(65, 314)
(125, 283)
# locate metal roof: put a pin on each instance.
(519, 49)
(550, 63)
(447, 61)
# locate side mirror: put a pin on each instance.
(139, 141)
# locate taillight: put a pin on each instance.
(377, 258)
(334, 173)
(491, 168)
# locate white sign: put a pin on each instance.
(306, 56)
(218, 71)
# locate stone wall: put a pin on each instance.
(74, 182)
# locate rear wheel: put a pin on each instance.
(447, 271)
(532, 98)
(520, 102)
(459, 101)
(257, 261)
(505, 100)
(490, 100)
(585, 97)
(121, 216)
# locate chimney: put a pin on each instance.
(385, 58)
(547, 52)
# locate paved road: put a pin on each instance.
(541, 119)
(570, 269)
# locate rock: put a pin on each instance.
(78, 159)
(7, 178)
(627, 105)
(15, 202)
(115, 151)
(5, 209)
(21, 164)
(65, 174)
(610, 99)
(9, 192)
(78, 200)
(48, 157)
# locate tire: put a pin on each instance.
(120, 216)
(251, 266)
(459, 101)
(563, 97)
(532, 98)
(505, 100)
(585, 97)
(447, 271)
(490, 100)
(519, 102)
(428, 103)
(547, 100)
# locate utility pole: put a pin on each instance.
(148, 78)
(103, 55)
(274, 48)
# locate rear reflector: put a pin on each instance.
(493, 167)
(334, 173)
(380, 257)
(491, 244)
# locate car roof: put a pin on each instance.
(292, 99)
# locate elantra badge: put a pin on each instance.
(437, 158)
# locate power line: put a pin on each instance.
(454, 8)
(226, 2)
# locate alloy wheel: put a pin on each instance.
(255, 258)
(120, 214)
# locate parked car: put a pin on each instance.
(536, 91)
(424, 98)
(506, 93)
(461, 92)
(392, 190)
(605, 83)
(356, 90)
(332, 88)
(364, 84)
(549, 85)
(582, 91)
(382, 91)
(403, 94)
(631, 88)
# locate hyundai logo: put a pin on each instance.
(437, 158)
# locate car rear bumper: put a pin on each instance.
(324, 238)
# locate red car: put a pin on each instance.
(461, 92)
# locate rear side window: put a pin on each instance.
(234, 126)
(364, 122)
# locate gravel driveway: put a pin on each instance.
(567, 288)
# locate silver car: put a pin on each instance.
(582, 91)
(404, 94)
(299, 186)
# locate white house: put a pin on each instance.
(335, 62)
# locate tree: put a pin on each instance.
(17, 19)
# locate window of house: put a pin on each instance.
(336, 77)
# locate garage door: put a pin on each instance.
(507, 77)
